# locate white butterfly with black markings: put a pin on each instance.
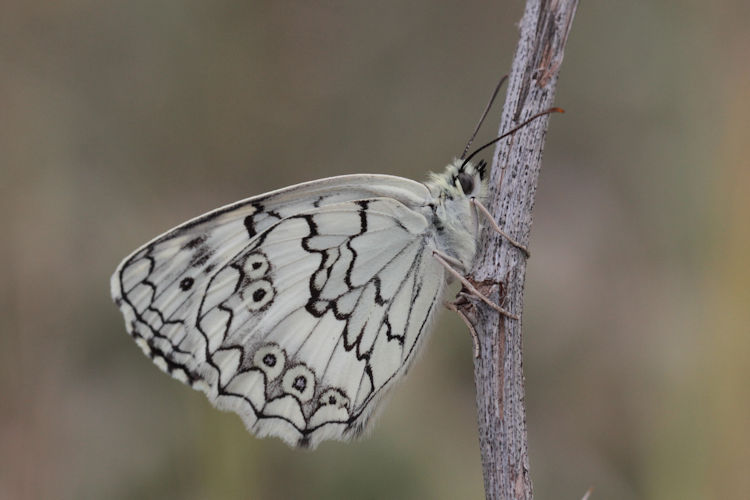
(299, 309)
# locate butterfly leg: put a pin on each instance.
(486, 213)
(472, 331)
(444, 260)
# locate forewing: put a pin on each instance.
(301, 325)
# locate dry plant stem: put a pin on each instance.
(500, 269)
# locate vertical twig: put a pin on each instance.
(500, 268)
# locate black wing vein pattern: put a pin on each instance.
(298, 321)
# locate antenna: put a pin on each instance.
(512, 131)
(484, 115)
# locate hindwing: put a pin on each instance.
(297, 310)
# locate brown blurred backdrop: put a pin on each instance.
(119, 120)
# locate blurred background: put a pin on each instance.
(123, 119)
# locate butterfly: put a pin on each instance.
(301, 308)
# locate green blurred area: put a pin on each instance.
(120, 120)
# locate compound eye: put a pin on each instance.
(466, 181)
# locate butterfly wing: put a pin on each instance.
(298, 310)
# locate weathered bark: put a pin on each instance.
(500, 268)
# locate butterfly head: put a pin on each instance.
(460, 180)
(453, 216)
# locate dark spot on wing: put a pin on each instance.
(269, 360)
(186, 283)
(200, 257)
(300, 383)
(196, 242)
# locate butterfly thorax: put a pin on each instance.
(454, 218)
